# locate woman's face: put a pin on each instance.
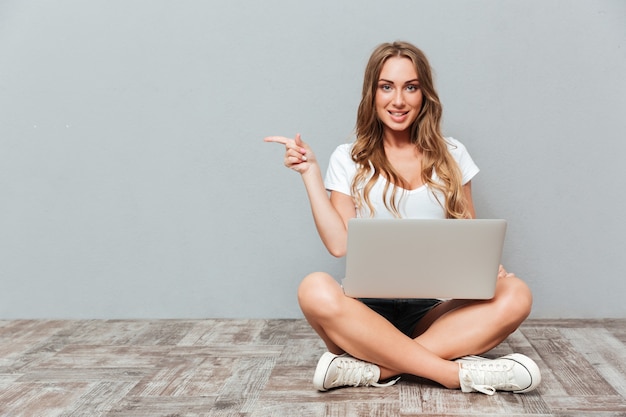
(398, 98)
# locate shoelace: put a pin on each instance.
(357, 374)
(489, 376)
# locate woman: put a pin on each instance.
(401, 166)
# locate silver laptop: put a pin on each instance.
(407, 258)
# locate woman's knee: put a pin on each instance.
(514, 298)
(318, 294)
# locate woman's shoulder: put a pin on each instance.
(455, 147)
(463, 158)
(345, 147)
(453, 143)
(343, 152)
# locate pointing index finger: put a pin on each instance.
(277, 139)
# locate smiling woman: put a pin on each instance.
(401, 166)
(398, 136)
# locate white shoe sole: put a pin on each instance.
(322, 369)
(533, 369)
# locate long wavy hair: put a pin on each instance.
(368, 151)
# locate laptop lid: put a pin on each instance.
(419, 258)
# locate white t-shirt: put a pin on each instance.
(418, 203)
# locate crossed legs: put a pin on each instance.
(450, 330)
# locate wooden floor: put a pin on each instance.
(264, 368)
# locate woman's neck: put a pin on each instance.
(396, 140)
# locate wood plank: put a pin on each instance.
(99, 399)
(241, 390)
(167, 407)
(431, 399)
(357, 409)
(104, 332)
(575, 374)
(604, 352)
(79, 374)
(32, 329)
(163, 333)
(226, 332)
(284, 409)
(40, 399)
(195, 335)
(587, 404)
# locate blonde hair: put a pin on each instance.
(368, 151)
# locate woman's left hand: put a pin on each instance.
(502, 273)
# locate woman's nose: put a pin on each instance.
(398, 98)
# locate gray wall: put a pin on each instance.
(134, 181)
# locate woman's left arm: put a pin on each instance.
(467, 189)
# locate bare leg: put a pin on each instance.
(459, 327)
(347, 325)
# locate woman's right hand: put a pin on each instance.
(298, 155)
(330, 214)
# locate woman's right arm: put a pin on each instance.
(331, 214)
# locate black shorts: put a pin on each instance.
(404, 314)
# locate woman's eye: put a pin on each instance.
(413, 87)
(385, 87)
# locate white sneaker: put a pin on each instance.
(514, 372)
(335, 371)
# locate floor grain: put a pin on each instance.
(262, 368)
